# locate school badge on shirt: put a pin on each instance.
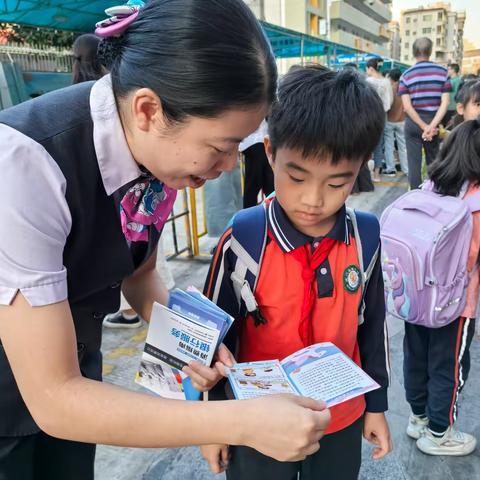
(351, 278)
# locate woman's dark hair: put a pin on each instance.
(199, 57)
(86, 64)
(395, 74)
(459, 160)
(326, 115)
(375, 63)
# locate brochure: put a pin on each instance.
(191, 327)
(321, 371)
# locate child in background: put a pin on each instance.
(437, 360)
(316, 152)
(468, 101)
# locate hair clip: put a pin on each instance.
(120, 18)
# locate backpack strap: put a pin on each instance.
(366, 230)
(248, 241)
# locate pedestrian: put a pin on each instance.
(394, 128)
(258, 173)
(437, 360)
(89, 176)
(424, 89)
(384, 90)
(455, 79)
(308, 289)
(86, 64)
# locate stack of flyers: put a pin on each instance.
(191, 327)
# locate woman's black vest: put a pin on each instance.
(96, 256)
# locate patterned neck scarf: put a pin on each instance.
(149, 202)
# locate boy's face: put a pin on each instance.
(311, 191)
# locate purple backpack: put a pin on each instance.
(425, 244)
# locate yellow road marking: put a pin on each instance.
(107, 369)
(141, 336)
(121, 352)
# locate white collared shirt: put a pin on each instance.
(35, 217)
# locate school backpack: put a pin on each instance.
(248, 242)
(425, 244)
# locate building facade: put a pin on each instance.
(305, 16)
(471, 62)
(394, 43)
(439, 23)
(361, 24)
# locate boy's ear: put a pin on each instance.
(460, 109)
(269, 150)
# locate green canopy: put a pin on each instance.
(79, 16)
(82, 15)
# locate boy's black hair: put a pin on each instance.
(326, 114)
(459, 160)
(375, 63)
(455, 67)
(395, 74)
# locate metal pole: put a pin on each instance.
(302, 46)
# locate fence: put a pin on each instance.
(38, 58)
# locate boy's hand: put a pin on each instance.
(376, 431)
(205, 378)
(216, 456)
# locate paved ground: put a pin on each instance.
(122, 351)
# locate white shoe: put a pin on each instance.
(452, 443)
(416, 425)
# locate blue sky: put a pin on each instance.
(472, 30)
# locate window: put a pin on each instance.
(407, 45)
(427, 18)
(407, 32)
(415, 19)
(427, 30)
(439, 29)
(405, 57)
(440, 16)
(439, 42)
(407, 20)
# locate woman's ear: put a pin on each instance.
(147, 111)
(460, 109)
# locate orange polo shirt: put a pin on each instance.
(279, 294)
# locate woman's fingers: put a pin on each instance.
(225, 356)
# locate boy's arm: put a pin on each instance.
(219, 289)
(373, 341)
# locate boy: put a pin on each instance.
(322, 129)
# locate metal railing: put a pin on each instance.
(38, 58)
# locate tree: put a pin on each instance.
(24, 35)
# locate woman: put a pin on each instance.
(86, 64)
(89, 176)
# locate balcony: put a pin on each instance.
(383, 33)
(376, 9)
(345, 38)
(342, 11)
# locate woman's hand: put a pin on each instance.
(285, 427)
(205, 378)
(216, 456)
(376, 431)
